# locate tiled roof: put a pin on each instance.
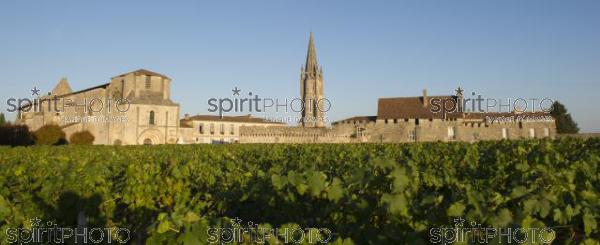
(410, 107)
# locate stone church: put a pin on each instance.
(133, 108)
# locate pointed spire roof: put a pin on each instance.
(62, 87)
(311, 56)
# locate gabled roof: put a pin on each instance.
(51, 96)
(143, 72)
(62, 87)
(411, 107)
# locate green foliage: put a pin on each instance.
(82, 138)
(2, 119)
(50, 134)
(364, 193)
(15, 135)
(564, 123)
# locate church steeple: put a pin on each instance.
(311, 56)
(311, 89)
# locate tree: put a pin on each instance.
(15, 135)
(2, 119)
(50, 134)
(82, 138)
(564, 122)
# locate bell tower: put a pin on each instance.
(311, 89)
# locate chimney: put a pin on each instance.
(186, 116)
(425, 98)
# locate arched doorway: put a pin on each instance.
(151, 136)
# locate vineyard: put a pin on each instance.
(362, 193)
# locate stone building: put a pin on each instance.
(133, 108)
(411, 119)
(216, 129)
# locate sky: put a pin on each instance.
(368, 49)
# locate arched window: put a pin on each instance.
(147, 141)
(151, 119)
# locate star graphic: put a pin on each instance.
(35, 91)
(35, 221)
(236, 221)
(236, 91)
(459, 91)
(459, 221)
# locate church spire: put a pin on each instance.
(311, 89)
(311, 56)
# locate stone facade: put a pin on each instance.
(294, 135)
(133, 108)
(214, 129)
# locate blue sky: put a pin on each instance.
(368, 49)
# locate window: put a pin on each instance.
(395, 120)
(531, 133)
(232, 129)
(359, 131)
(451, 133)
(147, 141)
(413, 135)
(546, 132)
(148, 83)
(222, 128)
(151, 118)
(201, 128)
(122, 88)
(504, 133)
(212, 128)
(416, 121)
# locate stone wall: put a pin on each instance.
(294, 135)
(410, 130)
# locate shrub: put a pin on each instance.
(82, 138)
(50, 134)
(15, 135)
